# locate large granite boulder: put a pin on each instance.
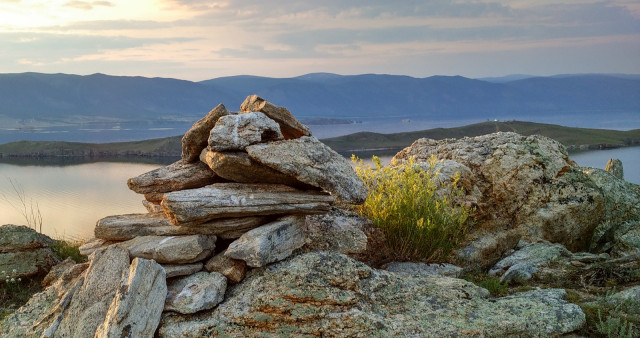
(526, 184)
(195, 206)
(136, 308)
(176, 176)
(312, 162)
(24, 252)
(235, 132)
(197, 138)
(524, 262)
(329, 294)
(289, 125)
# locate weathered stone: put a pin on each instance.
(14, 238)
(337, 232)
(312, 162)
(154, 197)
(177, 176)
(27, 263)
(233, 269)
(45, 309)
(524, 262)
(94, 244)
(289, 125)
(125, 227)
(235, 132)
(424, 270)
(329, 294)
(196, 138)
(171, 249)
(269, 243)
(523, 183)
(239, 167)
(200, 291)
(487, 249)
(175, 270)
(137, 305)
(614, 167)
(24, 251)
(152, 207)
(189, 207)
(91, 302)
(56, 272)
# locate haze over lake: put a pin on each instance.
(73, 197)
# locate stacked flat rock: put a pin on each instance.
(247, 178)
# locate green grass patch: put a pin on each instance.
(63, 249)
(419, 217)
(492, 284)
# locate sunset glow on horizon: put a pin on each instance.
(198, 40)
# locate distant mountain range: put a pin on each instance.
(34, 100)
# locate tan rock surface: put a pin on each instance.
(196, 138)
(291, 128)
(235, 132)
(171, 249)
(176, 176)
(189, 207)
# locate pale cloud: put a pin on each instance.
(282, 37)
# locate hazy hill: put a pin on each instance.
(55, 97)
(171, 146)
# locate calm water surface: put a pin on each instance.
(72, 197)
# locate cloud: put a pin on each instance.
(88, 5)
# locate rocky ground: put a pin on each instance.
(243, 238)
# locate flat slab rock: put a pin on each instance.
(312, 162)
(197, 137)
(269, 243)
(176, 176)
(235, 132)
(238, 167)
(329, 294)
(15, 238)
(125, 227)
(290, 126)
(195, 206)
(171, 249)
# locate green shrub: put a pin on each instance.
(614, 327)
(63, 249)
(492, 284)
(419, 217)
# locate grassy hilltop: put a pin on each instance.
(171, 146)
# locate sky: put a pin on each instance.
(198, 40)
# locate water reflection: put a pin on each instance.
(71, 198)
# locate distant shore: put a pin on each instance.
(575, 139)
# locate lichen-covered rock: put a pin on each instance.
(45, 309)
(137, 305)
(487, 249)
(337, 231)
(235, 132)
(197, 292)
(195, 206)
(523, 263)
(614, 167)
(289, 125)
(269, 243)
(179, 175)
(94, 244)
(525, 183)
(197, 138)
(329, 294)
(24, 252)
(425, 270)
(312, 162)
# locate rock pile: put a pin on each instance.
(236, 200)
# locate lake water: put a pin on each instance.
(72, 196)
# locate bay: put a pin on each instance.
(73, 194)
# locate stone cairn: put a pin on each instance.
(244, 184)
